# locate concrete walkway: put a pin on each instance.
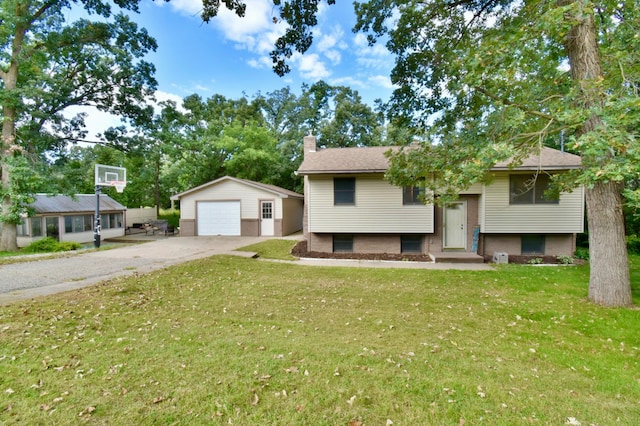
(25, 280)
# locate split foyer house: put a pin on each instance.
(350, 207)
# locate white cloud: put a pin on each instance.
(371, 57)
(311, 67)
(164, 96)
(347, 81)
(186, 7)
(383, 81)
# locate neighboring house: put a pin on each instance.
(232, 206)
(349, 207)
(71, 219)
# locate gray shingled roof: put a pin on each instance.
(373, 160)
(46, 204)
(549, 159)
(284, 193)
(346, 160)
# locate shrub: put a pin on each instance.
(565, 260)
(48, 245)
(582, 253)
(69, 246)
(535, 261)
(633, 244)
(171, 216)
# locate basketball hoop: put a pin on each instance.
(118, 184)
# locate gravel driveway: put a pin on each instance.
(42, 277)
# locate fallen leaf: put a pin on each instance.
(255, 399)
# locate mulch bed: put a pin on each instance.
(300, 250)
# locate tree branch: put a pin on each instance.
(513, 104)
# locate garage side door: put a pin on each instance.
(219, 218)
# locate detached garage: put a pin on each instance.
(232, 206)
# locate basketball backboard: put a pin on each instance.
(111, 176)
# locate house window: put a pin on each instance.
(532, 244)
(343, 243)
(530, 189)
(22, 228)
(344, 191)
(36, 227)
(78, 223)
(51, 223)
(411, 244)
(111, 221)
(411, 195)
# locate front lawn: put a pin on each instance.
(230, 340)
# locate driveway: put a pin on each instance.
(48, 276)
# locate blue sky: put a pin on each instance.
(230, 55)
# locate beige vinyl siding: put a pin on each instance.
(475, 188)
(227, 191)
(501, 217)
(378, 209)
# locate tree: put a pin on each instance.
(47, 65)
(497, 79)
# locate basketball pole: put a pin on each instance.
(96, 231)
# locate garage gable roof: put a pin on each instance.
(280, 192)
(83, 203)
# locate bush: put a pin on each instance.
(69, 246)
(49, 245)
(565, 260)
(582, 253)
(171, 216)
(633, 244)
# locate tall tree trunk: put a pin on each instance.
(609, 282)
(8, 147)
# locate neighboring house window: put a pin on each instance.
(111, 221)
(30, 227)
(343, 243)
(22, 229)
(532, 244)
(78, 223)
(530, 189)
(411, 195)
(51, 222)
(411, 244)
(36, 227)
(344, 190)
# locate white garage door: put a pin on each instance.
(219, 218)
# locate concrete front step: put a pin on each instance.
(456, 257)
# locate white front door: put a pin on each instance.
(266, 218)
(455, 225)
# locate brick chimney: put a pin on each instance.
(309, 144)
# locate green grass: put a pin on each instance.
(272, 249)
(229, 340)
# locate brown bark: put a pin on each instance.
(8, 147)
(609, 282)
